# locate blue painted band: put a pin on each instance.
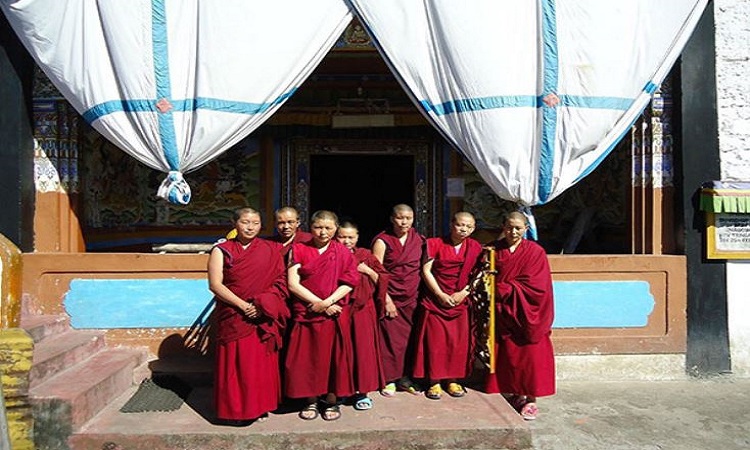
(602, 304)
(136, 303)
(174, 303)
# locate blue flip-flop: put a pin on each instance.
(363, 404)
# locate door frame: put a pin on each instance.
(295, 181)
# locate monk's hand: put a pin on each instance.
(320, 306)
(363, 268)
(333, 310)
(250, 311)
(460, 296)
(390, 309)
(446, 300)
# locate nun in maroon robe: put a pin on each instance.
(319, 362)
(524, 314)
(248, 277)
(400, 250)
(367, 298)
(444, 341)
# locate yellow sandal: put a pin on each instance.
(434, 392)
(456, 390)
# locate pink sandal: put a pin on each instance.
(529, 411)
(525, 407)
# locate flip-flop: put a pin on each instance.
(312, 407)
(331, 412)
(389, 390)
(456, 390)
(529, 411)
(363, 404)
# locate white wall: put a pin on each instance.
(733, 93)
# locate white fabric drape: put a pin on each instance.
(534, 93)
(174, 83)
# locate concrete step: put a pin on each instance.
(68, 400)
(476, 421)
(41, 326)
(55, 354)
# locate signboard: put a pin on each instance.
(728, 236)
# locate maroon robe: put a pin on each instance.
(367, 299)
(403, 263)
(319, 352)
(525, 311)
(444, 341)
(299, 237)
(247, 382)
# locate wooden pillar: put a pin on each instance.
(57, 224)
(652, 189)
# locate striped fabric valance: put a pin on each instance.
(725, 197)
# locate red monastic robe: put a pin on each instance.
(525, 311)
(319, 352)
(403, 263)
(367, 299)
(444, 341)
(300, 237)
(247, 382)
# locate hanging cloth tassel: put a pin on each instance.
(175, 189)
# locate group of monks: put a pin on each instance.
(311, 316)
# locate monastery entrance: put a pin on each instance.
(361, 188)
(361, 180)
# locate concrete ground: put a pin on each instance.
(635, 415)
(645, 415)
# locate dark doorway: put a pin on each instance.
(361, 188)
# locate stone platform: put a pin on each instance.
(476, 421)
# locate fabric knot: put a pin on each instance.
(175, 189)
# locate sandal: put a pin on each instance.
(389, 390)
(529, 411)
(456, 390)
(409, 386)
(363, 404)
(310, 412)
(434, 392)
(331, 412)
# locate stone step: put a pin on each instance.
(68, 400)
(60, 352)
(41, 326)
(476, 421)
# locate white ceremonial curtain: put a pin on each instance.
(174, 83)
(534, 93)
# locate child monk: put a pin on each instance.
(399, 249)
(371, 289)
(321, 274)
(248, 279)
(443, 352)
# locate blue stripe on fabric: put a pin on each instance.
(606, 153)
(479, 104)
(549, 114)
(213, 104)
(616, 103)
(114, 106)
(163, 85)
